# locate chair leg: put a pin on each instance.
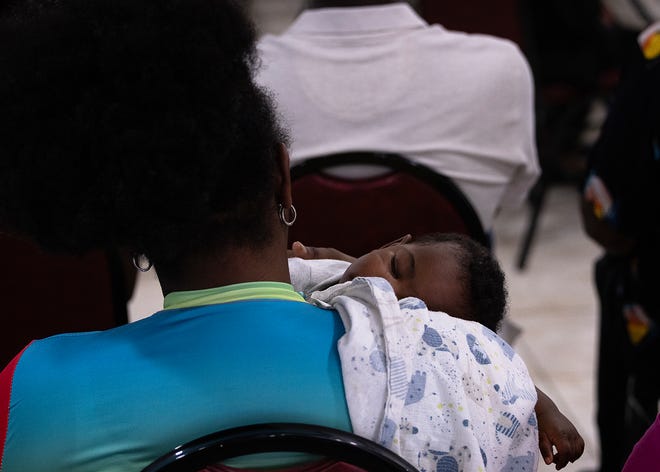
(536, 200)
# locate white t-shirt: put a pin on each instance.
(380, 78)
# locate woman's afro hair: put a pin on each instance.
(134, 123)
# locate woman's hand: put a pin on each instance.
(298, 249)
(555, 430)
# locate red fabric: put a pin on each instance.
(6, 380)
(324, 466)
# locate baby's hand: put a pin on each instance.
(555, 430)
(298, 249)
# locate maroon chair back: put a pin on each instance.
(361, 214)
(45, 294)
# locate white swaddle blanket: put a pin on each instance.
(446, 394)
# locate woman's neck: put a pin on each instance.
(236, 265)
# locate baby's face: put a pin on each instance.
(431, 273)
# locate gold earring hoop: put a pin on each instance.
(138, 262)
(282, 212)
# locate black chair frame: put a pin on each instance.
(273, 437)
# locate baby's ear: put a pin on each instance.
(402, 240)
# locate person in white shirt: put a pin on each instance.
(378, 77)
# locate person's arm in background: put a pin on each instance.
(309, 252)
(595, 205)
(615, 196)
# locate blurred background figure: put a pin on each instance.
(374, 75)
(621, 203)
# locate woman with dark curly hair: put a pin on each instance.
(137, 124)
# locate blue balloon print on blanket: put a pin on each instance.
(416, 388)
(477, 351)
(432, 338)
(506, 348)
(519, 464)
(507, 424)
(411, 303)
(510, 392)
(532, 421)
(377, 360)
(446, 463)
(381, 283)
(508, 397)
(387, 432)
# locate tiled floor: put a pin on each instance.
(552, 300)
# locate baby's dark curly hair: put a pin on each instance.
(134, 123)
(485, 285)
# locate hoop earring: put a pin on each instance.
(137, 259)
(282, 212)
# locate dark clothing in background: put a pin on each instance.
(626, 158)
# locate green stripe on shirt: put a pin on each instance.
(232, 293)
